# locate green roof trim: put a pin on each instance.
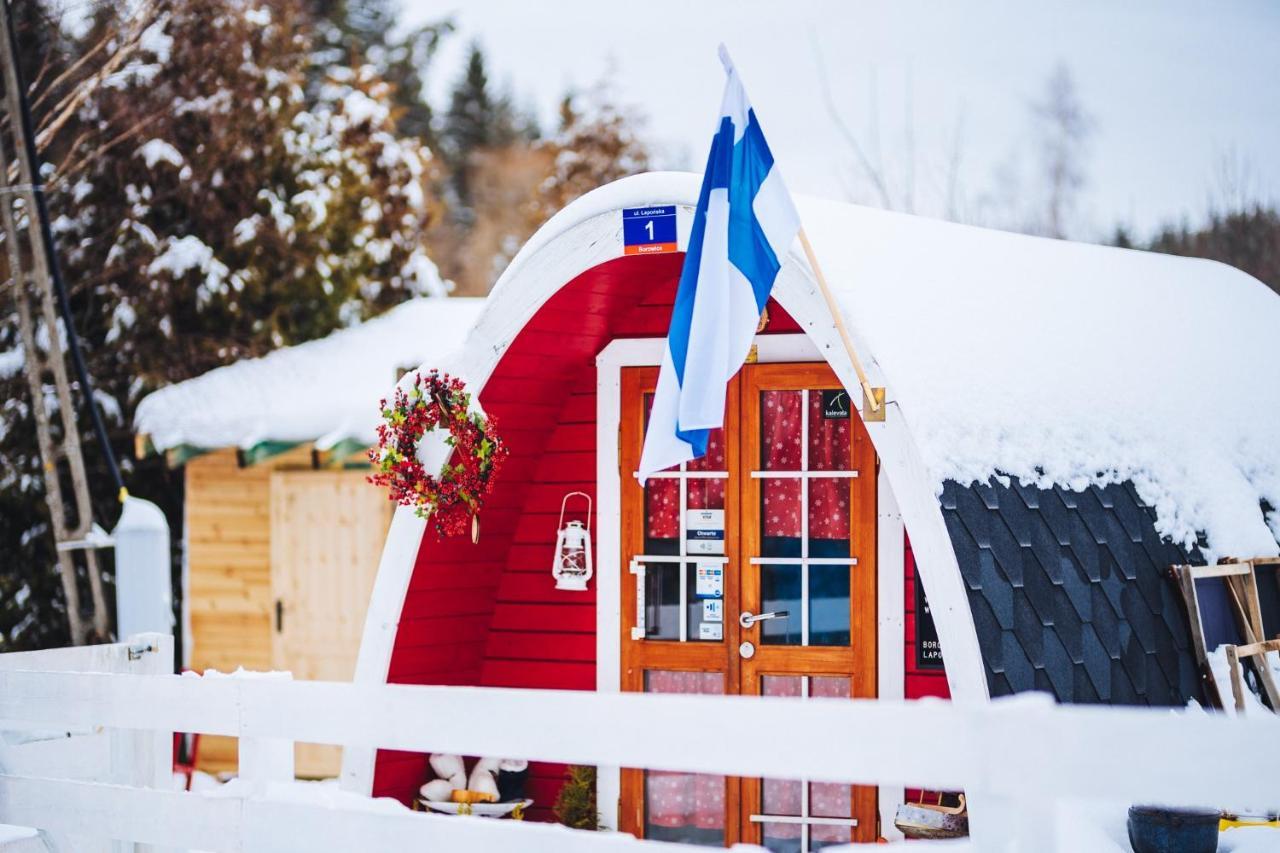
(263, 451)
(339, 455)
(176, 457)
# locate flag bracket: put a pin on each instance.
(873, 407)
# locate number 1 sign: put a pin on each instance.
(649, 230)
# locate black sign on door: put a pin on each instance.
(835, 404)
(928, 650)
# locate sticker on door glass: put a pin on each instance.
(713, 610)
(709, 581)
(835, 404)
(711, 631)
(704, 531)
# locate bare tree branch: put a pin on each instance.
(63, 176)
(69, 72)
(66, 108)
(873, 174)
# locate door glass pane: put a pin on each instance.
(781, 837)
(829, 605)
(786, 798)
(662, 516)
(648, 410)
(684, 807)
(780, 506)
(662, 601)
(829, 433)
(780, 413)
(779, 591)
(829, 516)
(704, 517)
(705, 608)
(829, 799)
(781, 796)
(715, 458)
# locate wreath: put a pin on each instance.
(451, 500)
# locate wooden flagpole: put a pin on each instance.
(834, 308)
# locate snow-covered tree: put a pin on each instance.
(243, 214)
(216, 194)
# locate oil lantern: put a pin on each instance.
(572, 565)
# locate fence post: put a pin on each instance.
(264, 759)
(141, 758)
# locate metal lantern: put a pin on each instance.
(572, 565)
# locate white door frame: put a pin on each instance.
(890, 640)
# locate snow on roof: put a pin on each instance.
(1056, 362)
(324, 390)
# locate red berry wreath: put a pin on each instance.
(452, 499)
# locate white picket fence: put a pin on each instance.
(1023, 763)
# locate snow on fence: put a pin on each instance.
(1023, 762)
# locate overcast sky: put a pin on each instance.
(1175, 88)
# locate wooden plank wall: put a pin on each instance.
(228, 519)
(229, 595)
(328, 529)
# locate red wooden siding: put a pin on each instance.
(919, 682)
(487, 614)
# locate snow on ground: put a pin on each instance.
(1060, 363)
(325, 390)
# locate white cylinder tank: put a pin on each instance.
(144, 588)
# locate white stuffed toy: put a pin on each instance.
(484, 777)
(452, 776)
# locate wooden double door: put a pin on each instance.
(752, 571)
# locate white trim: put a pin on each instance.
(796, 561)
(386, 602)
(806, 821)
(803, 475)
(891, 663)
(608, 550)
(805, 604)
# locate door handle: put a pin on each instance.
(746, 618)
(279, 616)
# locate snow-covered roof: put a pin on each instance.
(322, 391)
(1056, 362)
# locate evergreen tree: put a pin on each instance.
(207, 208)
(1248, 239)
(576, 805)
(352, 32)
(478, 120)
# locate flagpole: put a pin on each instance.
(839, 319)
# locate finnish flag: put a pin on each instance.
(742, 229)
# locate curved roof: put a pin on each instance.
(325, 390)
(1060, 363)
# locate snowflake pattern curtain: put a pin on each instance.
(780, 439)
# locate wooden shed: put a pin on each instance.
(1036, 444)
(282, 531)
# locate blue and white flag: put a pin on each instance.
(742, 230)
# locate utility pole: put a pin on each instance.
(34, 290)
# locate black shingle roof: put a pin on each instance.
(1070, 593)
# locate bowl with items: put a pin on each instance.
(494, 788)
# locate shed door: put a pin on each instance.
(327, 533)
(752, 571)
